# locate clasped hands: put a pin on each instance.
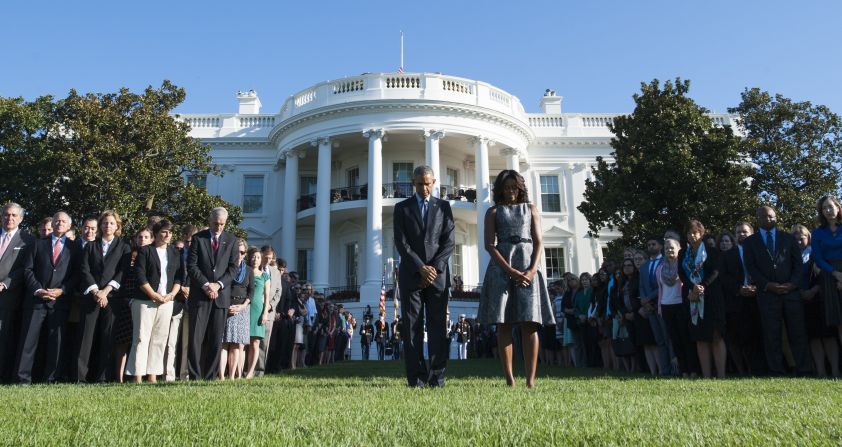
(779, 289)
(212, 290)
(697, 291)
(101, 296)
(523, 279)
(428, 275)
(162, 299)
(49, 294)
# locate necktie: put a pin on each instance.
(215, 244)
(652, 264)
(770, 243)
(56, 251)
(4, 244)
(424, 212)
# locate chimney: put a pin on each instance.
(249, 103)
(550, 103)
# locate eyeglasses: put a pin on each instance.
(242, 252)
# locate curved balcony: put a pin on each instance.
(402, 86)
(398, 190)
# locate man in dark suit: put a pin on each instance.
(51, 276)
(212, 264)
(102, 273)
(773, 261)
(13, 245)
(423, 228)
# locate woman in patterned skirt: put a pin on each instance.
(237, 324)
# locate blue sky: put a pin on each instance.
(595, 54)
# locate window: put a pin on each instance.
(354, 177)
(252, 194)
(402, 172)
(402, 178)
(456, 261)
(305, 264)
(554, 260)
(451, 178)
(199, 180)
(550, 196)
(352, 251)
(308, 185)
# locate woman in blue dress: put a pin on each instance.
(513, 290)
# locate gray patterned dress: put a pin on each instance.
(501, 301)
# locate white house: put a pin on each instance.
(303, 175)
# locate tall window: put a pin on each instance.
(198, 180)
(305, 264)
(451, 178)
(354, 177)
(402, 177)
(352, 252)
(554, 260)
(252, 194)
(308, 185)
(550, 195)
(456, 261)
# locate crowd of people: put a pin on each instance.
(101, 307)
(690, 304)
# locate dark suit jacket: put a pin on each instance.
(731, 274)
(40, 273)
(204, 267)
(98, 270)
(148, 269)
(11, 270)
(786, 267)
(421, 245)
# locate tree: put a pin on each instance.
(797, 151)
(121, 151)
(669, 165)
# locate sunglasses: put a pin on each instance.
(242, 252)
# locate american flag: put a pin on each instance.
(383, 294)
(400, 69)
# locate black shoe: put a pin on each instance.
(418, 384)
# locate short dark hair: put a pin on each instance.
(161, 225)
(506, 174)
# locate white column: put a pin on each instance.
(483, 200)
(321, 243)
(374, 215)
(578, 224)
(431, 138)
(290, 211)
(512, 158)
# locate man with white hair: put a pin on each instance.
(51, 273)
(212, 264)
(12, 247)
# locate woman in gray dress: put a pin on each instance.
(513, 290)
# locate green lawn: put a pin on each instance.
(366, 403)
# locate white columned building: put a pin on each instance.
(319, 178)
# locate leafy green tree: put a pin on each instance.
(796, 149)
(669, 164)
(123, 151)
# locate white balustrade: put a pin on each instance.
(403, 82)
(305, 98)
(348, 85)
(256, 121)
(546, 121)
(452, 85)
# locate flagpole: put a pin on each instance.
(402, 51)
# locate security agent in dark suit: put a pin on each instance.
(50, 271)
(212, 264)
(13, 245)
(773, 260)
(102, 273)
(423, 228)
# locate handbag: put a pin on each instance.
(621, 343)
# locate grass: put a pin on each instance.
(366, 403)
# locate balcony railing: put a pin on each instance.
(343, 294)
(465, 292)
(395, 190)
